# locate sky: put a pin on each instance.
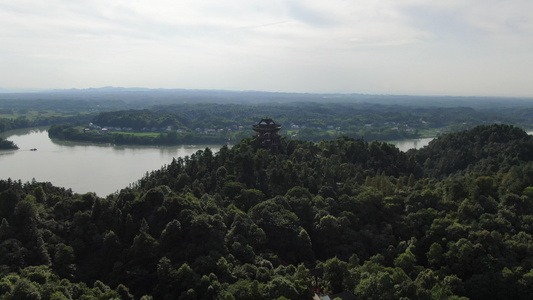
(408, 47)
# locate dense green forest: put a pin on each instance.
(453, 220)
(209, 123)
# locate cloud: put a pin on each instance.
(337, 45)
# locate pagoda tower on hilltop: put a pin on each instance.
(267, 134)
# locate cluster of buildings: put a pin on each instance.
(104, 129)
(93, 128)
(328, 127)
(211, 131)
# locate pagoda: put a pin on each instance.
(267, 134)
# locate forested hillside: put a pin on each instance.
(211, 123)
(451, 221)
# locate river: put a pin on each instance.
(102, 169)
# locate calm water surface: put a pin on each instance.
(102, 169)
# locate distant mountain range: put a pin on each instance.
(165, 96)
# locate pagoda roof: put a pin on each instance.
(266, 123)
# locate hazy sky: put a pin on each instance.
(451, 47)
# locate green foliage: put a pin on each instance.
(25, 290)
(341, 215)
(7, 145)
(218, 124)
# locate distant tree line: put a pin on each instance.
(188, 123)
(76, 133)
(24, 122)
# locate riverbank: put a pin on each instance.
(79, 134)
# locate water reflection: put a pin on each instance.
(406, 145)
(7, 152)
(164, 150)
(76, 144)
